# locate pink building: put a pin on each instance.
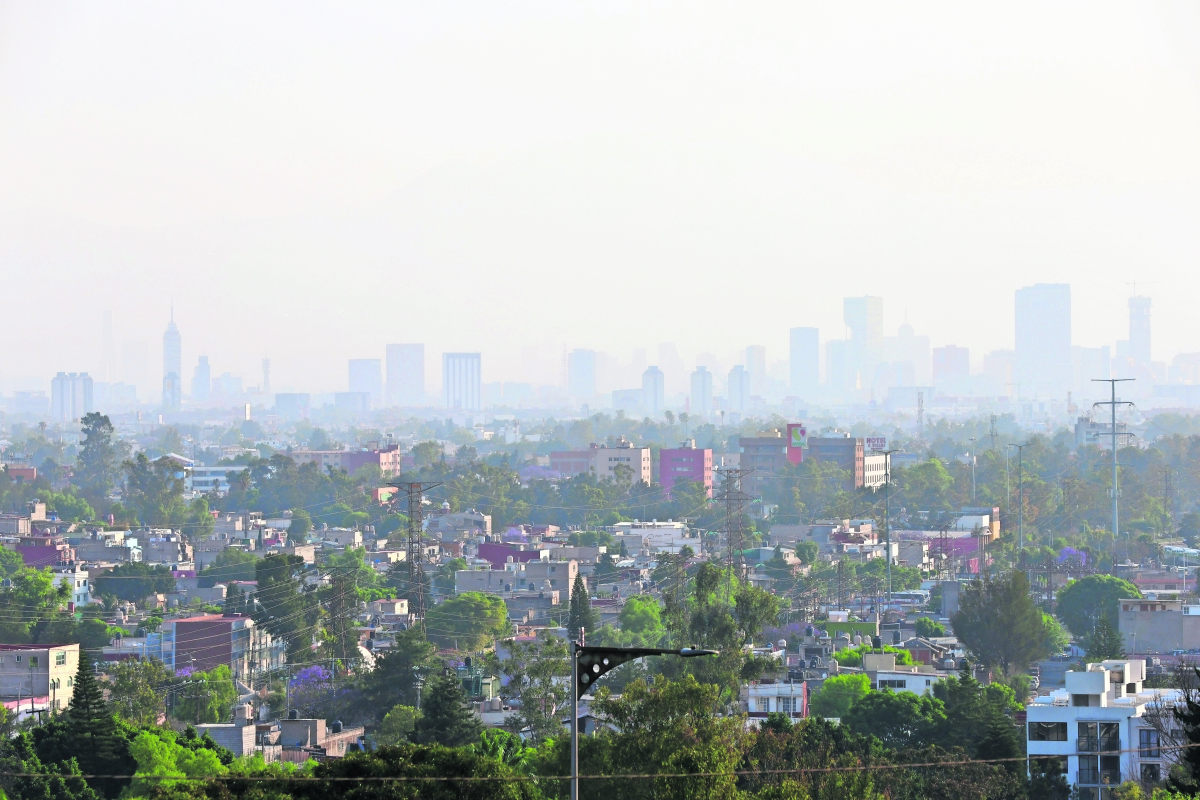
(685, 463)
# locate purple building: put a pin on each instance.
(499, 554)
(685, 463)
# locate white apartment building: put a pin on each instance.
(76, 579)
(1099, 728)
(655, 536)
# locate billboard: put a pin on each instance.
(797, 440)
(875, 444)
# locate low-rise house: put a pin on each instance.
(206, 641)
(759, 698)
(1103, 728)
(541, 575)
(44, 671)
(885, 673)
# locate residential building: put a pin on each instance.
(1043, 339)
(498, 554)
(201, 381)
(606, 462)
(804, 359)
(1100, 731)
(951, 363)
(70, 396)
(738, 389)
(203, 642)
(653, 391)
(448, 526)
(406, 374)
(519, 576)
(764, 455)
(1091, 432)
(388, 458)
(581, 374)
(761, 698)
(686, 462)
(875, 471)
(461, 381)
(366, 377)
(655, 536)
(845, 451)
(999, 370)
(354, 402)
(39, 670)
(885, 673)
(75, 578)
(1159, 626)
(702, 393)
(202, 480)
(172, 367)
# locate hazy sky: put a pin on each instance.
(311, 181)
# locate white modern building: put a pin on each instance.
(1101, 729)
(70, 396)
(461, 381)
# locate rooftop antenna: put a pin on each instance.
(1112, 407)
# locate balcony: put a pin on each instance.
(1087, 744)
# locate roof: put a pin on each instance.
(34, 646)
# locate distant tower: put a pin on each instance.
(653, 391)
(172, 366)
(266, 365)
(1139, 330)
(202, 381)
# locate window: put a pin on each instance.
(1089, 770)
(1047, 731)
(1110, 770)
(1147, 744)
(1081, 700)
(1151, 773)
(18, 659)
(892, 684)
(60, 659)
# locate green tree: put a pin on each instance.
(807, 552)
(1104, 642)
(88, 733)
(979, 718)
(154, 490)
(299, 527)
(160, 758)
(206, 697)
(138, 690)
(838, 695)
(469, 621)
(446, 718)
(134, 581)
(927, 627)
(538, 675)
(286, 607)
(899, 720)
(98, 464)
(1187, 779)
(396, 725)
(231, 564)
(1081, 603)
(24, 775)
(396, 676)
(581, 616)
(641, 616)
(999, 623)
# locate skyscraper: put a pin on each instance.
(70, 396)
(739, 389)
(202, 381)
(756, 366)
(172, 395)
(653, 391)
(366, 376)
(864, 317)
(581, 374)
(702, 392)
(1139, 331)
(461, 381)
(1042, 365)
(805, 361)
(406, 374)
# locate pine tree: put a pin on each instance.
(88, 732)
(1105, 642)
(1189, 756)
(445, 717)
(581, 615)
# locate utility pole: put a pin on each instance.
(734, 499)
(887, 517)
(1020, 495)
(972, 470)
(992, 431)
(1116, 493)
(416, 550)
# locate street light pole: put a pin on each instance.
(589, 664)
(1020, 495)
(887, 518)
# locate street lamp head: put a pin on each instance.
(692, 652)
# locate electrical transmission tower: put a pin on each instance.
(1116, 492)
(416, 549)
(735, 501)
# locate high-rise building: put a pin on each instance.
(998, 369)
(805, 361)
(366, 377)
(909, 355)
(581, 374)
(406, 374)
(653, 391)
(756, 366)
(1043, 339)
(461, 379)
(739, 389)
(702, 392)
(70, 396)
(202, 381)
(951, 362)
(172, 394)
(864, 317)
(1139, 331)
